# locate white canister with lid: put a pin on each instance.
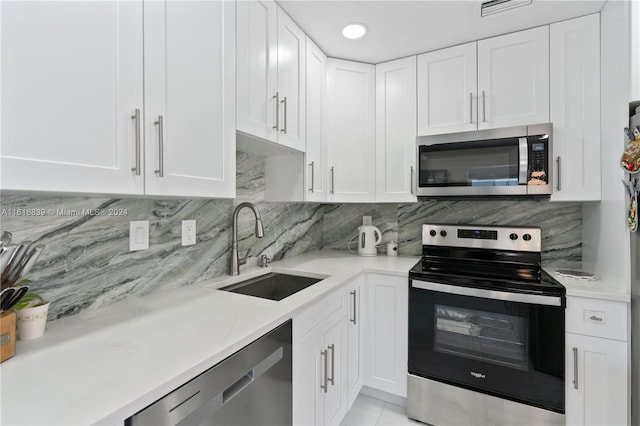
(392, 249)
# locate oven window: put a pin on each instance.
(486, 336)
(482, 163)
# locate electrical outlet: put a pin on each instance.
(138, 235)
(188, 232)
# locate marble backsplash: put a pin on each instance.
(87, 263)
(561, 223)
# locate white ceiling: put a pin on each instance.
(402, 28)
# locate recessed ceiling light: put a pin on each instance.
(354, 30)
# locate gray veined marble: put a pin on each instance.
(87, 262)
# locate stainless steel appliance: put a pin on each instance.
(511, 161)
(486, 329)
(251, 387)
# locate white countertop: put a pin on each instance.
(597, 289)
(104, 365)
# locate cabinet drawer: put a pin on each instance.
(305, 323)
(599, 318)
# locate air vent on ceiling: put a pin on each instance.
(498, 6)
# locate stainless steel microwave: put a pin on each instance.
(511, 161)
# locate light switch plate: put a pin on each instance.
(188, 232)
(138, 235)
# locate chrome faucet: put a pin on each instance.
(235, 259)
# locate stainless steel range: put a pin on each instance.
(486, 329)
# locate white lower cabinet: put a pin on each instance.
(320, 363)
(386, 333)
(597, 363)
(355, 341)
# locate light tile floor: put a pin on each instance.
(368, 411)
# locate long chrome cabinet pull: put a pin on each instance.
(277, 98)
(136, 117)
(333, 181)
(332, 348)
(411, 181)
(160, 124)
(325, 386)
(353, 320)
(284, 128)
(559, 175)
(312, 177)
(575, 368)
(484, 108)
(470, 107)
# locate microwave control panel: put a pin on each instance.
(538, 160)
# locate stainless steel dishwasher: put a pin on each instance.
(251, 387)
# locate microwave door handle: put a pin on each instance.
(523, 148)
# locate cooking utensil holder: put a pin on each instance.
(7, 335)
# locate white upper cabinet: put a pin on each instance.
(271, 71)
(351, 131)
(575, 108)
(190, 98)
(316, 124)
(447, 92)
(72, 102)
(257, 61)
(291, 86)
(396, 130)
(71, 80)
(513, 79)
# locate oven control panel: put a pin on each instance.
(489, 237)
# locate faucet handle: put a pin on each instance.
(243, 260)
(264, 261)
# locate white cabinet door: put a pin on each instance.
(596, 381)
(291, 87)
(335, 399)
(396, 130)
(575, 108)
(447, 90)
(513, 79)
(351, 131)
(257, 62)
(355, 339)
(386, 334)
(190, 98)
(71, 80)
(316, 124)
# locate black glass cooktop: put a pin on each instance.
(523, 280)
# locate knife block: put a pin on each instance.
(7, 335)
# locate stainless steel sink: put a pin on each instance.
(272, 286)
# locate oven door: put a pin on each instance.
(493, 342)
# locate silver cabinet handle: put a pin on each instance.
(558, 161)
(160, 124)
(333, 181)
(595, 318)
(312, 177)
(575, 368)
(332, 348)
(411, 181)
(277, 98)
(325, 386)
(284, 128)
(484, 108)
(353, 320)
(470, 107)
(136, 117)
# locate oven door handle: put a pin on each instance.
(489, 294)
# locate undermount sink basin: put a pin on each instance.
(272, 286)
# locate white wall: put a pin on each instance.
(605, 237)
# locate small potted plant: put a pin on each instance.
(31, 315)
